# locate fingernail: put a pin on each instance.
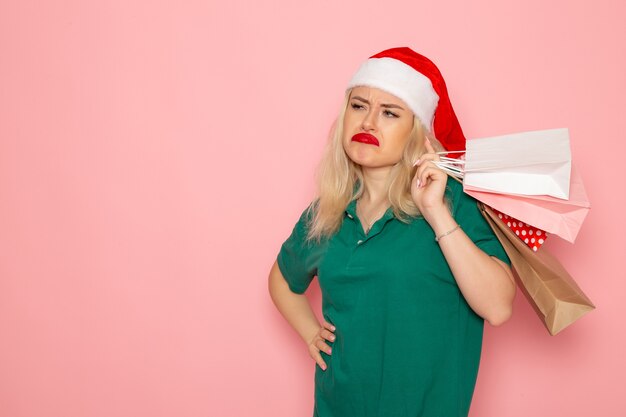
(324, 367)
(332, 327)
(419, 183)
(329, 351)
(332, 337)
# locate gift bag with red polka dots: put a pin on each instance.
(530, 235)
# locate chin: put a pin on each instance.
(360, 153)
(373, 163)
(366, 158)
(360, 159)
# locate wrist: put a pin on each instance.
(440, 220)
(454, 229)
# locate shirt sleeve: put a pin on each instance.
(295, 256)
(467, 214)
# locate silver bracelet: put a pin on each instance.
(458, 226)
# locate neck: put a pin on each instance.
(375, 185)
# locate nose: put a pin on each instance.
(369, 120)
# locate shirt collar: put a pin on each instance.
(351, 209)
(351, 212)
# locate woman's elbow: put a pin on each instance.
(502, 304)
(500, 316)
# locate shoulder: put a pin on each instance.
(307, 215)
(454, 184)
(454, 193)
(301, 228)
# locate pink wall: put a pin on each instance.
(154, 156)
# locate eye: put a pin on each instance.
(356, 106)
(390, 114)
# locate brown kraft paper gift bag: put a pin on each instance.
(550, 289)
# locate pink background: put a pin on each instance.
(154, 156)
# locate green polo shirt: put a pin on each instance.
(407, 343)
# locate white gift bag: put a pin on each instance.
(529, 163)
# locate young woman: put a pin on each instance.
(408, 268)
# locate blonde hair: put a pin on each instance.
(340, 180)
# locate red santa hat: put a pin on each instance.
(416, 80)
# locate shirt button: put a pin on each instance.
(359, 242)
(349, 215)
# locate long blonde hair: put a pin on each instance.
(340, 180)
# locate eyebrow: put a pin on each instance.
(387, 106)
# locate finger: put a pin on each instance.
(328, 335)
(419, 178)
(321, 345)
(429, 146)
(415, 182)
(328, 325)
(318, 359)
(427, 157)
(422, 167)
(431, 174)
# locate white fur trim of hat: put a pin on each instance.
(401, 80)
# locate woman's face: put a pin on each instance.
(376, 127)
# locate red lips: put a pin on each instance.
(365, 138)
